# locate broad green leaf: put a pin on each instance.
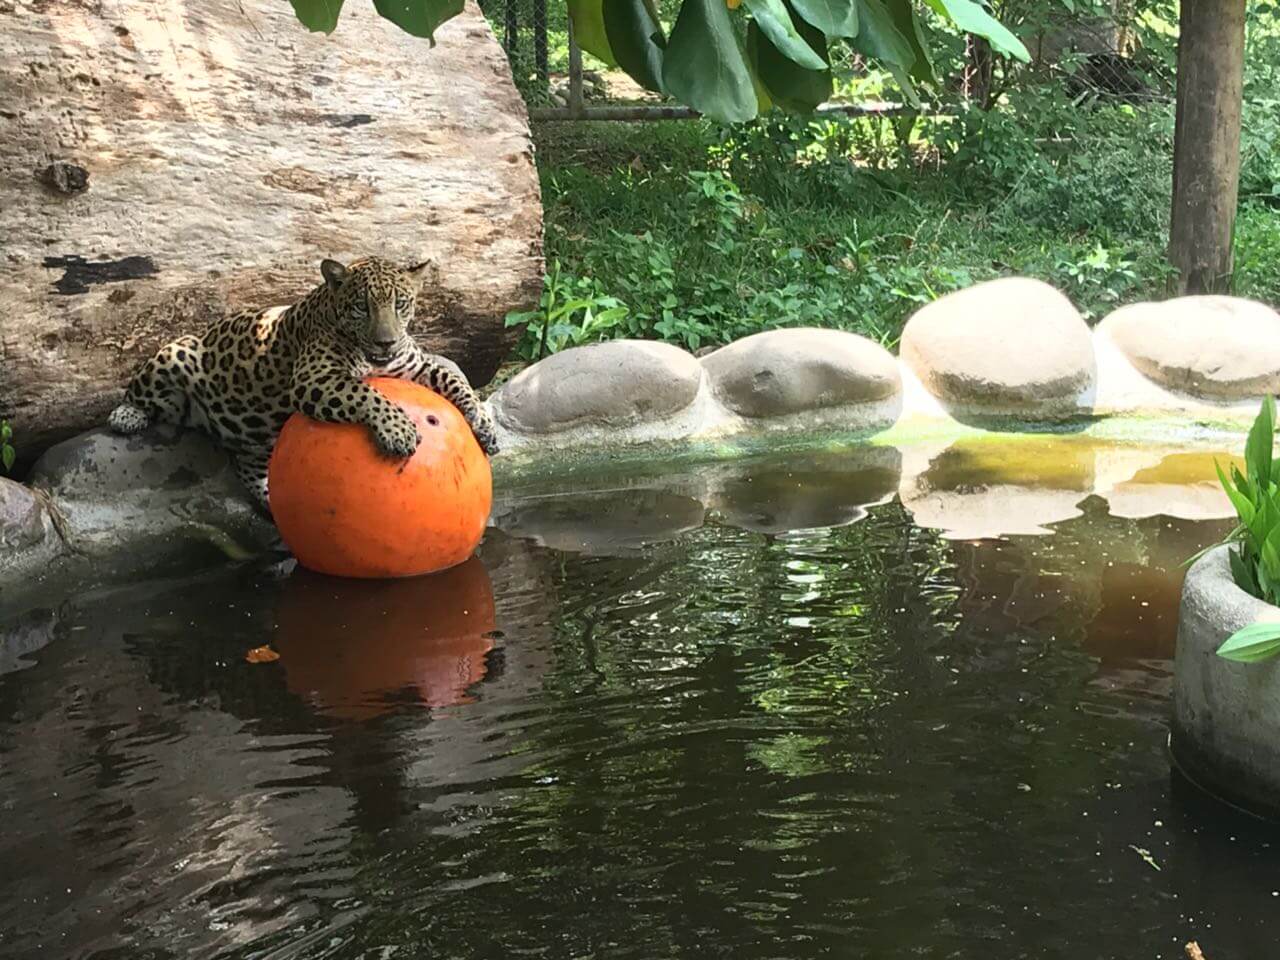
(1257, 449)
(1254, 643)
(879, 38)
(775, 21)
(971, 18)
(419, 17)
(635, 37)
(908, 24)
(1242, 503)
(904, 82)
(790, 86)
(9, 455)
(835, 18)
(1240, 572)
(703, 66)
(320, 16)
(588, 29)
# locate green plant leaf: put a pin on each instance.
(879, 38)
(1252, 644)
(588, 29)
(789, 85)
(703, 66)
(1242, 503)
(907, 22)
(8, 455)
(1258, 448)
(636, 39)
(319, 16)
(835, 18)
(419, 17)
(971, 18)
(1241, 573)
(775, 21)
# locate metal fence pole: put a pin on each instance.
(540, 39)
(575, 74)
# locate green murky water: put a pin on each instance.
(797, 710)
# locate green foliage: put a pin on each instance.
(571, 312)
(709, 62)
(418, 17)
(7, 453)
(1254, 549)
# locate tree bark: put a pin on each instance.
(165, 161)
(1206, 156)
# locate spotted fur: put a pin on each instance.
(242, 379)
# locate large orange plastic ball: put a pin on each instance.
(345, 509)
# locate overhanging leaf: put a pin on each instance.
(972, 18)
(879, 38)
(907, 22)
(835, 18)
(419, 17)
(775, 21)
(1242, 503)
(703, 65)
(588, 29)
(1254, 643)
(788, 84)
(320, 16)
(636, 40)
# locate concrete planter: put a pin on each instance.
(1226, 724)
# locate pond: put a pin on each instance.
(645, 722)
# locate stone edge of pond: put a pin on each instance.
(1226, 716)
(1009, 354)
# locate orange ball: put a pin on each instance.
(345, 509)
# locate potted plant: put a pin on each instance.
(1226, 724)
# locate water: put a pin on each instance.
(681, 734)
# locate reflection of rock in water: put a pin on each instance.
(810, 492)
(976, 489)
(350, 646)
(602, 523)
(23, 636)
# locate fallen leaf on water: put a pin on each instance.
(261, 655)
(1193, 951)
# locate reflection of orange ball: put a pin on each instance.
(345, 509)
(354, 648)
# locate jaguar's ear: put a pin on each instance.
(333, 272)
(418, 271)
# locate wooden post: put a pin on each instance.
(1206, 152)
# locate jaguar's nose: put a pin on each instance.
(384, 346)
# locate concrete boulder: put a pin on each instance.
(1213, 348)
(1011, 346)
(621, 383)
(782, 372)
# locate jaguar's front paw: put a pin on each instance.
(398, 438)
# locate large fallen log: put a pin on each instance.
(163, 162)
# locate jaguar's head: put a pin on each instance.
(374, 302)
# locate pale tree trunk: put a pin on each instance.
(1206, 154)
(165, 161)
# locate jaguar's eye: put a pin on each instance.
(402, 304)
(360, 311)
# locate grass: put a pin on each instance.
(683, 231)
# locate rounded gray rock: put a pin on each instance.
(781, 372)
(1226, 715)
(151, 499)
(614, 384)
(1011, 345)
(28, 538)
(1213, 348)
